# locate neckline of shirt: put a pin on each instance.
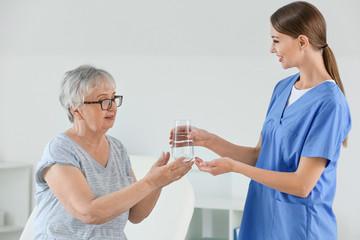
(307, 89)
(84, 151)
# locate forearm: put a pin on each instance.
(286, 182)
(224, 148)
(110, 206)
(143, 208)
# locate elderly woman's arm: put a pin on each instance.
(143, 208)
(72, 190)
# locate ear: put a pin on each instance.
(303, 41)
(76, 113)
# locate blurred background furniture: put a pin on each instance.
(28, 232)
(15, 191)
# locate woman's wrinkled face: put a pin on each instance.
(286, 48)
(93, 116)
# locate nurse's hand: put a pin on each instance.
(199, 136)
(216, 166)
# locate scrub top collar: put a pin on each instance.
(306, 98)
(283, 97)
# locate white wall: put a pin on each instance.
(206, 60)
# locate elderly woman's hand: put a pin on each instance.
(163, 173)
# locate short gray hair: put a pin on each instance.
(79, 83)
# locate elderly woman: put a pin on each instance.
(85, 187)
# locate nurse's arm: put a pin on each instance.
(224, 148)
(299, 183)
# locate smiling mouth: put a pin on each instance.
(110, 117)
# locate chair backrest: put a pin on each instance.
(28, 232)
(171, 216)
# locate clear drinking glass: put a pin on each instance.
(181, 145)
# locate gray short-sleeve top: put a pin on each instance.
(52, 220)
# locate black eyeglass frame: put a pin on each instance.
(110, 105)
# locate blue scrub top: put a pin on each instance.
(313, 126)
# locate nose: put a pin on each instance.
(272, 48)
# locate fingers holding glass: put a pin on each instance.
(182, 146)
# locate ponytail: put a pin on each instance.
(332, 69)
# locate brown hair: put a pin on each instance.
(303, 18)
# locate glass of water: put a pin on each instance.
(181, 145)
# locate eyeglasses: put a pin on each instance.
(107, 103)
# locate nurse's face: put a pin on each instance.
(286, 48)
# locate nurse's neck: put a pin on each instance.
(312, 71)
(312, 78)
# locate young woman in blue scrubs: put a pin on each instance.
(293, 166)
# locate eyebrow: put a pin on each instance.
(274, 37)
(104, 94)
